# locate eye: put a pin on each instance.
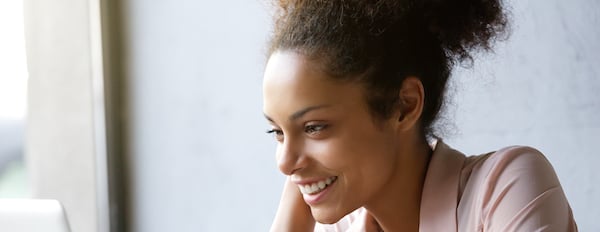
(314, 129)
(278, 134)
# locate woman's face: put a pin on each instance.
(327, 141)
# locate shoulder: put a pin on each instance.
(510, 164)
(512, 186)
(520, 169)
(508, 157)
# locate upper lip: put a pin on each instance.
(311, 180)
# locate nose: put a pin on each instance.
(290, 157)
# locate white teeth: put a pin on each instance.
(321, 184)
(316, 187)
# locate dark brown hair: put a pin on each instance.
(381, 42)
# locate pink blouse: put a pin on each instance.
(513, 189)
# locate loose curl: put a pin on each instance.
(382, 42)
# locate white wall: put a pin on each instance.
(203, 163)
(202, 159)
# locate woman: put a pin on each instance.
(352, 89)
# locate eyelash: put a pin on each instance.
(309, 129)
(312, 129)
(275, 132)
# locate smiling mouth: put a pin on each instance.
(317, 187)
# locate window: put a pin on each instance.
(13, 94)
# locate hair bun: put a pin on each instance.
(460, 26)
(465, 25)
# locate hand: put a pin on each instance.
(293, 214)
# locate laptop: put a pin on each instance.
(32, 215)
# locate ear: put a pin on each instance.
(411, 100)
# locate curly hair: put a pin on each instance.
(381, 42)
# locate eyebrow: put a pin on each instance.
(298, 114)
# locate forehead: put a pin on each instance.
(292, 82)
(293, 72)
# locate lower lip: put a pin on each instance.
(313, 199)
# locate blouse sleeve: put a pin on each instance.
(523, 194)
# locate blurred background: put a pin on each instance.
(13, 100)
(147, 115)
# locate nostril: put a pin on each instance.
(287, 166)
(289, 162)
(290, 156)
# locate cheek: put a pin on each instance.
(278, 152)
(359, 157)
(363, 161)
(370, 163)
(334, 154)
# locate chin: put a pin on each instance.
(325, 216)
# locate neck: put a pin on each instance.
(397, 206)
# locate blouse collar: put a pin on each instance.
(439, 199)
